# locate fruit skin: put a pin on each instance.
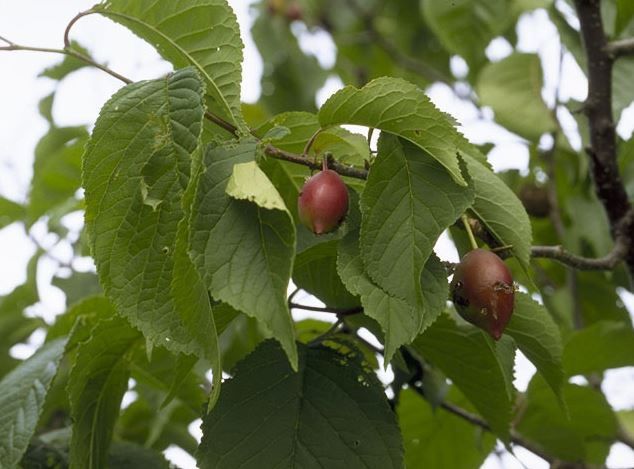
(323, 202)
(483, 292)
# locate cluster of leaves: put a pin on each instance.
(195, 235)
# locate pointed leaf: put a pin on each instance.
(515, 83)
(408, 201)
(202, 33)
(331, 413)
(22, 395)
(136, 168)
(500, 210)
(538, 337)
(96, 386)
(243, 251)
(403, 109)
(469, 358)
(399, 320)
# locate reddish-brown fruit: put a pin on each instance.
(483, 292)
(294, 12)
(323, 202)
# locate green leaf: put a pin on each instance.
(248, 182)
(202, 33)
(96, 386)
(10, 212)
(501, 211)
(346, 147)
(624, 15)
(85, 314)
(403, 109)
(465, 27)
(430, 436)
(126, 455)
(22, 395)
(244, 252)
(315, 271)
(585, 433)
(290, 78)
(136, 168)
(301, 125)
(515, 83)
(331, 413)
(68, 65)
(408, 201)
(538, 337)
(56, 169)
(399, 320)
(622, 93)
(79, 285)
(470, 359)
(598, 347)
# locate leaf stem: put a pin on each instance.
(71, 23)
(467, 227)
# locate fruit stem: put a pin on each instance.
(467, 227)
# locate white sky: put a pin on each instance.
(42, 22)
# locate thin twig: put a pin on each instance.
(337, 311)
(71, 23)
(69, 52)
(621, 48)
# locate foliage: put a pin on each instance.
(190, 203)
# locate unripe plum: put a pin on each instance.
(483, 291)
(323, 202)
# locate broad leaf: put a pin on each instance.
(399, 320)
(403, 109)
(10, 212)
(330, 413)
(315, 271)
(537, 336)
(470, 359)
(500, 210)
(408, 201)
(512, 84)
(202, 33)
(96, 386)
(248, 182)
(22, 395)
(346, 147)
(56, 169)
(136, 168)
(430, 435)
(466, 27)
(244, 252)
(68, 65)
(585, 433)
(598, 347)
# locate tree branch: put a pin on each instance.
(621, 48)
(598, 107)
(337, 311)
(559, 254)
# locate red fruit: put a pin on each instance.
(483, 292)
(323, 202)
